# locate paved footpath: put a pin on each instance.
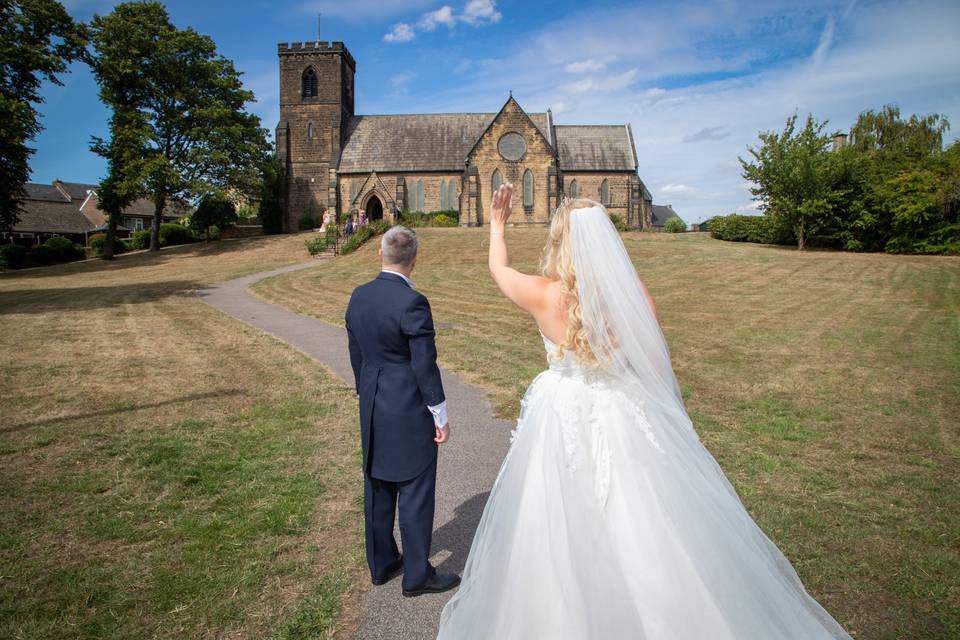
(467, 468)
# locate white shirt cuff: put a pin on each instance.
(439, 414)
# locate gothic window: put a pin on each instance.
(604, 192)
(418, 196)
(309, 83)
(495, 180)
(573, 189)
(448, 195)
(527, 189)
(353, 190)
(310, 131)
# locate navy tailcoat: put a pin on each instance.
(394, 360)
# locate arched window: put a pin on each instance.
(354, 187)
(527, 189)
(309, 83)
(418, 197)
(310, 131)
(573, 189)
(604, 192)
(495, 180)
(448, 195)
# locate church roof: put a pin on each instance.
(595, 148)
(77, 190)
(416, 142)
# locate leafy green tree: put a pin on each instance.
(200, 138)
(675, 225)
(213, 210)
(38, 39)
(271, 195)
(794, 174)
(885, 132)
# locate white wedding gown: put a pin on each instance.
(609, 519)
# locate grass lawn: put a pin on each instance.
(826, 384)
(167, 471)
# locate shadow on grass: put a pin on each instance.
(118, 409)
(38, 301)
(456, 536)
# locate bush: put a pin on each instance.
(98, 241)
(739, 228)
(618, 223)
(11, 256)
(139, 239)
(59, 249)
(316, 244)
(416, 219)
(675, 225)
(172, 233)
(365, 232)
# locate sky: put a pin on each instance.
(697, 81)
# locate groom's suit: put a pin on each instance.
(394, 360)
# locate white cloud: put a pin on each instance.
(401, 32)
(753, 206)
(478, 12)
(399, 81)
(671, 189)
(724, 72)
(443, 15)
(585, 66)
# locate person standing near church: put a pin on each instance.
(403, 416)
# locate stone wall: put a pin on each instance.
(588, 186)
(309, 136)
(485, 158)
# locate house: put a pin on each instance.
(70, 209)
(661, 213)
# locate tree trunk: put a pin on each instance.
(108, 244)
(155, 227)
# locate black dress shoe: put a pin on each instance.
(392, 572)
(437, 583)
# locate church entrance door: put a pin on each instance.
(374, 208)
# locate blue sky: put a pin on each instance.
(696, 81)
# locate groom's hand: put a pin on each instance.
(443, 434)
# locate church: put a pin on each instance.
(386, 164)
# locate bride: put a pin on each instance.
(608, 518)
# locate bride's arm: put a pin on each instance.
(527, 292)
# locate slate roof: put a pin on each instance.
(595, 148)
(77, 190)
(661, 213)
(47, 210)
(45, 192)
(416, 142)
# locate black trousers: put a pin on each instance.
(415, 500)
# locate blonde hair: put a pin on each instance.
(556, 263)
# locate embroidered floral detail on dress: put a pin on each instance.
(601, 454)
(640, 414)
(570, 413)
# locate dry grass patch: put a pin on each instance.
(169, 472)
(826, 384)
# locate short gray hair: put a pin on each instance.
(399, 245)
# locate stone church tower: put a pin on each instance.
(316, 103)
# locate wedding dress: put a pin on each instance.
(608, 518)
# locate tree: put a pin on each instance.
(675, 225)
(271, 195)
(200, 139)
(38, 39)
(794, 174)
(117, 65)
(886, 133)
(213, 210)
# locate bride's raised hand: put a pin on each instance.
(502, 205)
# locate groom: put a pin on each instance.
(403, 416)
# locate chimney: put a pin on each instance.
(839, 141)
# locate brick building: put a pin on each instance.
(384, 164)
